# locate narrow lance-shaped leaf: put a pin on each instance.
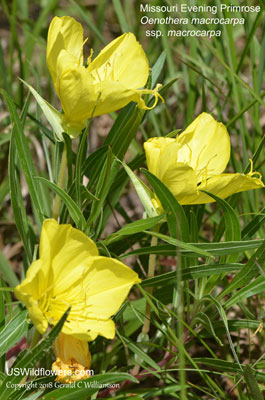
(177, 221)
(249, 271)
(26, 160)
(231, 219)
(215, 249)
(15, 330)
(53, 116)
(73, 209)
(87, 387)
(134, 227)
(144, 193)
(30, 359)
(17, 202)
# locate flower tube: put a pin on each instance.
(73, 359)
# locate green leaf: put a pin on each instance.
(255, 287)
(73, 209)
(31, 358)
(215, 249)
(26, 160)
(187, 246)
(223, 316)
(87, 387)
(231, 220)
(4, 138)
(253, 226)
(82, 149)
(52, 115)
(226, 366)
(107, 176)
(124, 129)
(248, 271)
(85, 14)
(177, 221)
(203, 319)
(93, 164)
(234, 74)
(117, 189)
(7, 271)
(252, 384)
(158, 67)
(17, 202)
(144, 193)
(234, 325)
(134, 227)
(194, 272)
(140, 353)
(15, 330)
(35, 396)
(120, 14)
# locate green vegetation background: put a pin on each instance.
(205, 307)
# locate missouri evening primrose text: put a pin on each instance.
(200, 20)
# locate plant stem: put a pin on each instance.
(60, 183)
(151, 274)
(35, 339)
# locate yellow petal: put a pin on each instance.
(124, 61)
(181, 180)
(168, 159)
(64, 33)
(62, 242)
(30, 291)
(115, 78)
(205, 146)
(89, 329)
(224, 185)
(103, 284)
(77, 95)
(108, 283)
(70, 273)
(111, 95)
(153, 149)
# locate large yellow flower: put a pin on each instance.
(195, 160)
(73, 359)
(70, 273)
(109, 82)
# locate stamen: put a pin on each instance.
(98, 75)
(90, 57)
(81, 52)
(155, 93)
(113, 62)
(190, 156)
(107, 66)
(251, 172)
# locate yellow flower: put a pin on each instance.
(73, 359)
(195, 160)
(70, 273)
(106, 84)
